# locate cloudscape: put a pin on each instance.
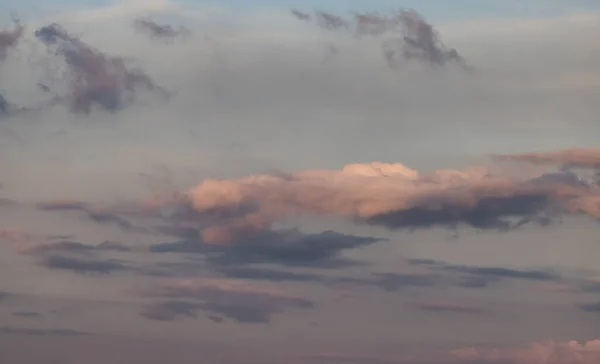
(397, 182)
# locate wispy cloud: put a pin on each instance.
(412, 38)
(160, 31)
(94, 78)
(237, 300)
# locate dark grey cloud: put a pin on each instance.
(412, 38)
(4, 295)
(487, 213)
(9, 38)
(395, 281)
(160, 31)
(243, 305)
(28, 314)
(284, 247)
(97, 215)
(82, 265)
(498, 272)
(592, 307)
(93, 78)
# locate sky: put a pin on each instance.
(399, 182)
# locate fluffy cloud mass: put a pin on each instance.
(390, 195)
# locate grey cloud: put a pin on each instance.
(160, 31)
(395, 281)
(4, 295)
(243, 305)
(592, 307)
(97, 215)
(41, 332)
(480, 277)
(94, 78)
(285, 247)
(487, 213)
(9, 38)
(574, 157)
(82, 265)
(77, 247)
(413, 38)
(170, 310)
(504, 273)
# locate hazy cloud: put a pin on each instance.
(237, 300)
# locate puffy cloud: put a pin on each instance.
(389, 195)
(94, 78)
(237, 300)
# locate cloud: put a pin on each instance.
(237, 300)
(160, 31)
(592, 307)
(504, 273)
(574, 157)
(395, 281)
(94, 78)
(413, 38)
(81, 265)
(4, 295)
(41, 332)
(9, 38)
(100, 216)
(389, 195)
(77, 247)
(285, 247)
